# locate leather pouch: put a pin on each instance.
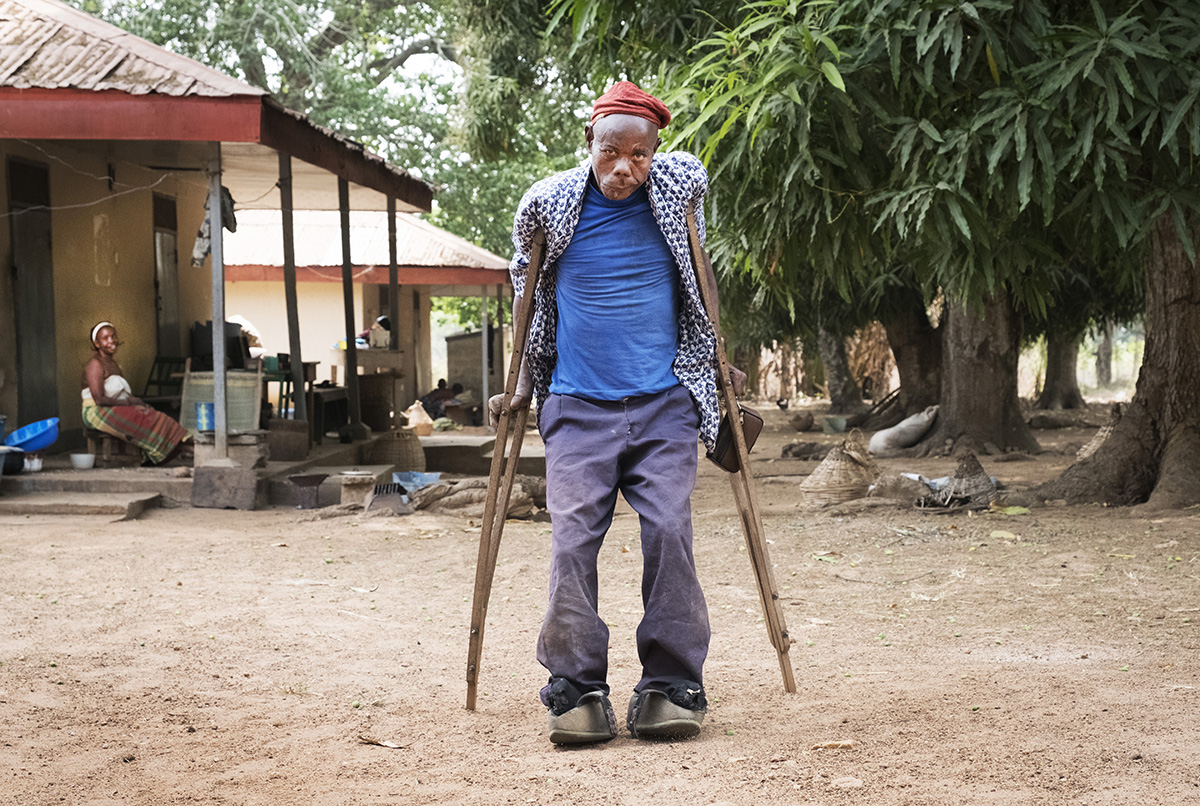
(725, 455)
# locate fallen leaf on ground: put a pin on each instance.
(380, 742)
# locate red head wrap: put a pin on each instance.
(626, 98)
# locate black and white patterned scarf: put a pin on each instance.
(677, 184)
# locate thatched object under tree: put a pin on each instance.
(970, 486)
(845, 473)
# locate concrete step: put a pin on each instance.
(471, 454)
(108, 481)
(120, 506)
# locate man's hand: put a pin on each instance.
(738, 379)
(521, 395)
(496, 404)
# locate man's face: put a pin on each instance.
(621, 148)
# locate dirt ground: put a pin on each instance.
(220, 657)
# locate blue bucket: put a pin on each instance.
(206, 416)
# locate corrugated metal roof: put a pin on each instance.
(259, 241)
(49, 45)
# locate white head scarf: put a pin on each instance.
(96, 330)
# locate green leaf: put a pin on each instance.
(998, 148)
(1183, 230)
(893, 47)
(1025, 179)
(930, 130)
(1179, 113)
(1019, 135)
(833, 76)
(960, 220)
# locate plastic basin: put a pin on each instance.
(35, 436)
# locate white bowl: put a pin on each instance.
(83, 461)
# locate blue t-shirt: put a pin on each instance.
(618, 303)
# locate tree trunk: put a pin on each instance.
(979, 379)
(1062, 381)
(844, 394)
(788, 382)
(812, 377)
(1153, 453)
(917, 347)
(1104, 356)
(747, 360)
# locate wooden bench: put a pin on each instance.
(111, 451)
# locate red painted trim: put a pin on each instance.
(288, 131)
(374, 275)
(69, 114)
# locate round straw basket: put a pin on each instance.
(843, 475)
(401, 448)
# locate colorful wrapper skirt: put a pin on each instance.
(157, 434)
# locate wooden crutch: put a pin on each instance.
(503, 472)
(744, 493)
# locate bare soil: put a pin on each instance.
(220, 657)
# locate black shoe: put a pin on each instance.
(575, 718)
(676, 713)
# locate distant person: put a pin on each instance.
(377, 335)
(109, 404)
(435, 401)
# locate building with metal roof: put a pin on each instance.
(114, 153)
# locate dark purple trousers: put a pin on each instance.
(644, 447)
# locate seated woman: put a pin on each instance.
(109, 405)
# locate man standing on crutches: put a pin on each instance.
(620, 357)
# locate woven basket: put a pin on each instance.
(243, 396)
(843, 475)
(400, 448)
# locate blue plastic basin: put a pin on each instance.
(35, 436)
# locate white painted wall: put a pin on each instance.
(322, 316)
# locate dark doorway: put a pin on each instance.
(33, 287)
(166, 276)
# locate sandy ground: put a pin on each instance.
(219, 657)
